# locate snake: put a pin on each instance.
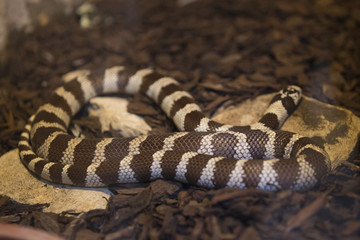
(203, 152)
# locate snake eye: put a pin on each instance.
(94, 106)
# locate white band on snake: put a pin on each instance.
(205, 152)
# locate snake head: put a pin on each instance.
(292, 91)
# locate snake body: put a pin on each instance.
(204, 152)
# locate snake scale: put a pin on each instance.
(204, 152)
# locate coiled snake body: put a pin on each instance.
(205, 152)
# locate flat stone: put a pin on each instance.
(335, 127)
(19, 184)
(112, 114)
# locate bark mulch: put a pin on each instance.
(222, 52)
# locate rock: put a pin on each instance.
(113, 114)
(337, 128)
(19, 184)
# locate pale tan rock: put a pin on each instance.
(337, 128)
(19, 184)
(112, 114)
